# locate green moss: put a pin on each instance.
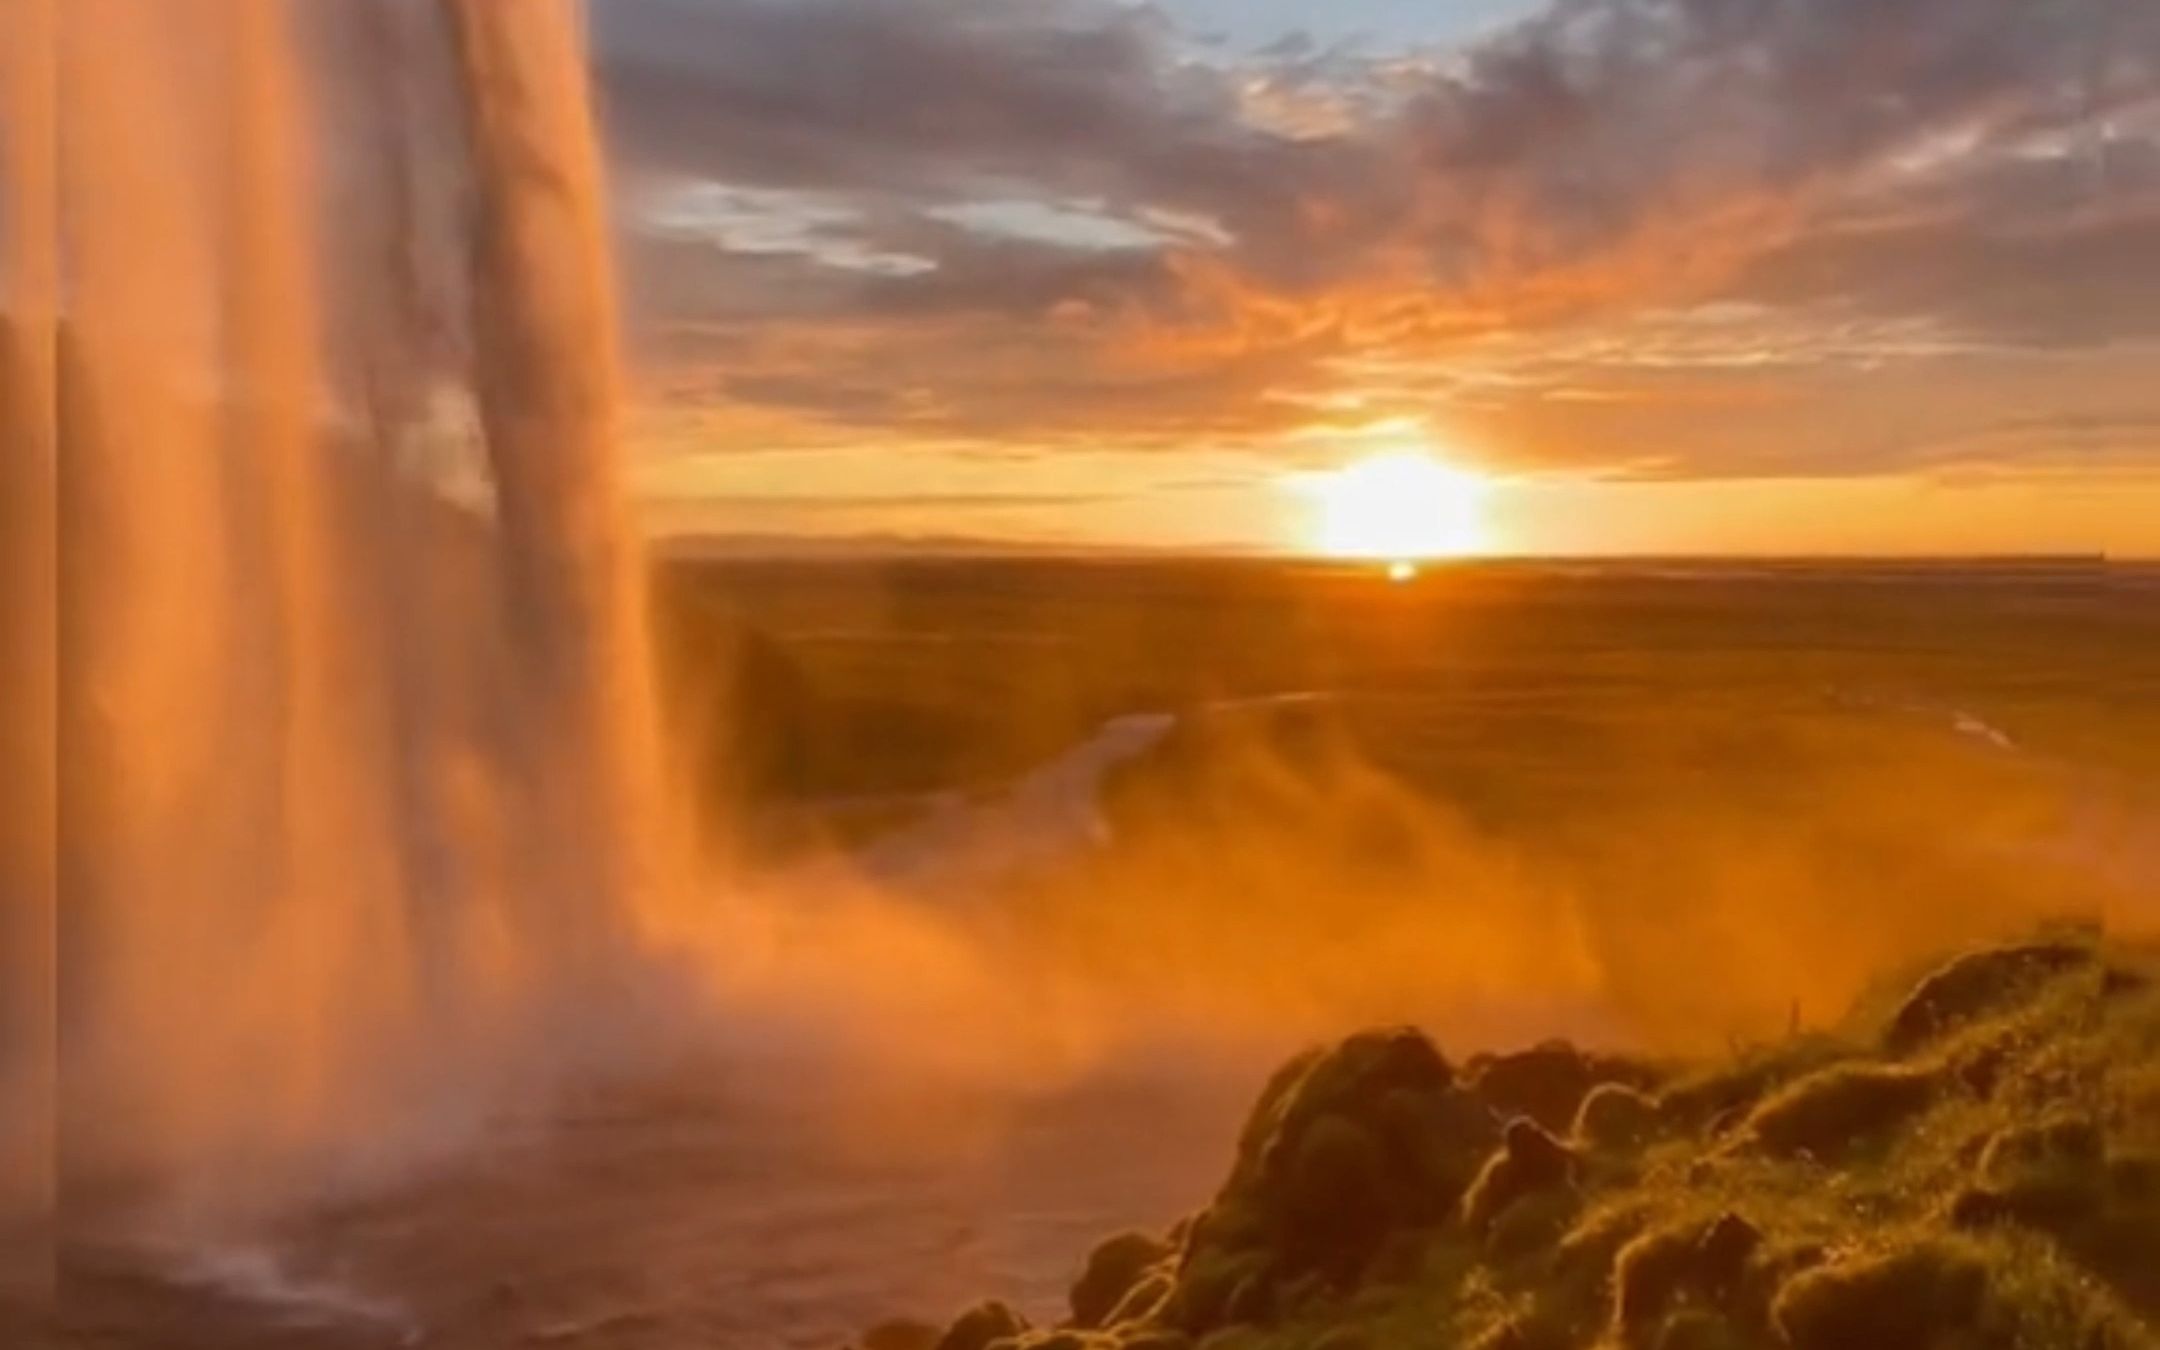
(1112, 1270)
(1615, 1116)
(1999, 1192)
(1829, 1112)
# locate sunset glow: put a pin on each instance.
(1401, 506)
(718, 673)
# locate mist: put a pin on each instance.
(395, 842)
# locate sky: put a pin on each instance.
(1737, 276)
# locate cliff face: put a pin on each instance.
(1975, 1165)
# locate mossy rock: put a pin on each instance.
(1977, 984)
(1700, 1263)
(1351, 1081)
(1535, 1224)
(1998, 1192)
(1347, 1147)
(1615, 1117)
(1337, 1204)
(983, 1325)
(2051, 1175)
(1700, 1101)
(1205, 1285)
(1548, 1082)
(1648, 1273)
(1529, 1160)
(2065, 1144)
(1589, 1250)
(1438, 1140)
(1920, 1297)
(1829, 1112)
(1111, 1272)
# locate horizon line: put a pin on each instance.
(720, 548)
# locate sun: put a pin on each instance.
(1401, 506)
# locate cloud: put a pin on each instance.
(1063, 219)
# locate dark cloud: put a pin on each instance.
(1986, 169)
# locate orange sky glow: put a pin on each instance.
(1866, 279)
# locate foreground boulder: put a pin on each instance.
(1348, 1148)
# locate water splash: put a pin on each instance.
(357, 770)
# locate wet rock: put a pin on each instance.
(1549, 1082)
(981, 1325)
(1112, 1270)
(1980, 983)
(1924, 1296)
(1529, 1160)
(1828, 1112)
(1615, 1116)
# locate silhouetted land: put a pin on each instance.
(915, 674)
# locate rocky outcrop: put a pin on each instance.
(1993, 1182)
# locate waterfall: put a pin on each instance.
(354, 745)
